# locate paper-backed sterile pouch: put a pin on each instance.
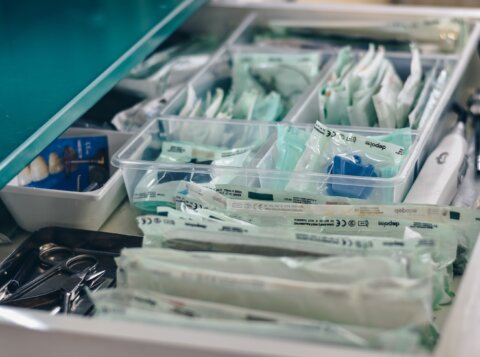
(147, 306)
(372, 302)
(210, 233)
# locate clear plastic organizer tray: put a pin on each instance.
(218, 74)
(150, 181)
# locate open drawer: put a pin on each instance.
(26, 331)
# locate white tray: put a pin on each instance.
(35, 208)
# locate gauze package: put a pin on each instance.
(155, 308)
(338, 269)
(264, 87)
(385, 99)
(327, 150)
(362, 83)
(208, 108)
(382, 303)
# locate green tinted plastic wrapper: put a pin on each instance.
(340, 219)
(401, 137)
(264, 202)
(286, 73)
(290, 146)
(326, 143)
(165, 310)
(371, 302)
(175, 230)
(333, 96)
(156, 188)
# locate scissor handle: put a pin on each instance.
(79, 263)
(46, 255)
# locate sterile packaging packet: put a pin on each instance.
(326, 146)
(151, 307)
(333, 97)
(291, 142)
(340, 219)
(372, 302)
(287, 73)
(175, 230)
(132, 119)
(158, 187)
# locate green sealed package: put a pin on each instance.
(362, 83)
(165, 310)
(210, 233)
(333, 97)
(410, 90)
(377, 302)
(266, 203)
(326, 145)
(266, 85)
(290, 146)
(455, 229)
(385, 100)
(159, 188)
(286, 73)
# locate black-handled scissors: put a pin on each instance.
(58, 259)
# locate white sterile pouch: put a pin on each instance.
(409, 92)
(165, 310)
(209, 231)
(386, 99)
(372, 302)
